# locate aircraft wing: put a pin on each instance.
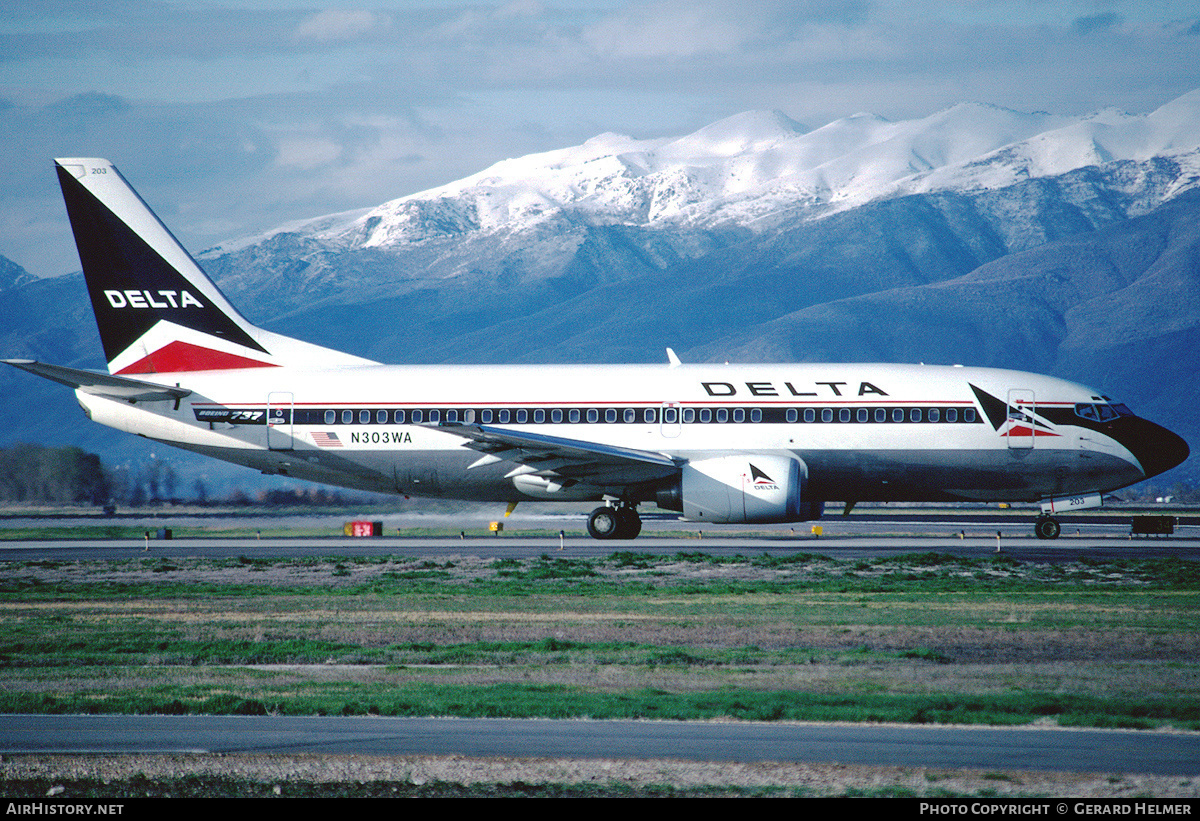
(551, 456)
(100, 384)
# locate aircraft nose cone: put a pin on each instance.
(1157, 448)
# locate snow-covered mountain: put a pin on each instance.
(755, 169)
(12, 274)
(616, 207)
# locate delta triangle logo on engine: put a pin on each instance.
(760, 480)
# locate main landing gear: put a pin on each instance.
(615, 522)
(1047, 527)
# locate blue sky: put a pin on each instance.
(234, 116)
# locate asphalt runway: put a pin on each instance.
(522, 548)
(985, 748)
(971, 534)
(967, 534)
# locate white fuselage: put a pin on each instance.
(864, 431)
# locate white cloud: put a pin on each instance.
(521, 8)
(306, 153)
(340, 24)
(689, 28)
(685, 30)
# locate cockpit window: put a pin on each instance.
(1101, 413)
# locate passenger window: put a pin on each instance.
(863, 413)
(649, 415)
(969, 415)
(914, 415)
(610, 415)
(951, 415)
(399, 417)
(827, 414)
(689, 415)
(556, 415)
(522, 416)
(630, 415)
(417, 416)
(722, 415)
(505, 416)
(844, 415)
(435, 415)
(469, 416)
(485, 416)
(934, 414)
(330, 417)
(593, 415)
(810, 415)
(898, 415)
(705, 415)
(451, 415)
(573, 415)
(347, 417)
(791, 414)
(739, 415)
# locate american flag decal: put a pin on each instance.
(326, 440)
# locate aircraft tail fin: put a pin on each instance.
(157, 311)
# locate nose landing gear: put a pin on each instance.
(1047, 527)
(614, 522)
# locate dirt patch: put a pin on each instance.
(331, 572)
(36, 776)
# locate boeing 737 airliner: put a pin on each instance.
(718, 443)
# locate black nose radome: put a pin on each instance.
(1156, 448)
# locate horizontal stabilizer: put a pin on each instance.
(100, 384)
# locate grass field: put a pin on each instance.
(916, 638)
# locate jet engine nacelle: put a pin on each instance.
(742, 489)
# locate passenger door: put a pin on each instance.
(279, 420)
(1021, 408)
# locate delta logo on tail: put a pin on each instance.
(145, 299)
(142, 303)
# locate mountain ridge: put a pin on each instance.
(748, 166)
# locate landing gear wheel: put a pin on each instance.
(604, 523)
(1047, 527)
(631, 523)
(614, 523)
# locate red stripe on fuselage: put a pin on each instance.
(1028, 432)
